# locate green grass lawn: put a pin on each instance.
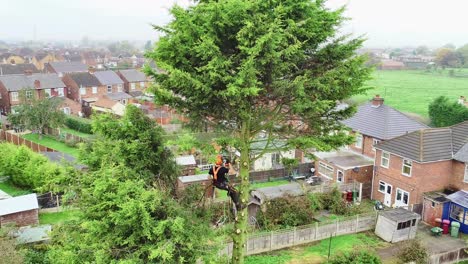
(12, 190)
(318, 252)
(74, 132)
(59, 217)
(52, 143)
(413, 90)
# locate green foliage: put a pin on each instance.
(334, 202)
(126, 221)
(413, 251)
(285, 212)
(78, 124)
(31, 170)
(443, 112)
(355, 257)
(289, 164)
(37, 114)
(134, 141)
(277, 258)
(316, 201)
(35, 255)
(185, 143)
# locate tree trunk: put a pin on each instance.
(240, 226)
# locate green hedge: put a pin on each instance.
(79, 124)
(28, 169)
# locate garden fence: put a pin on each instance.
(65, 136)
(269, 241)
(455, 256)
(17, 140)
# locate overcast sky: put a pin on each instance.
(385, 22)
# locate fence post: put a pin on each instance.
(316, 230)
(271, 240)
(357, 224)
(58, 203)
(337, 228)
(360, 192)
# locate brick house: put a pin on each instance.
(84, 87)
(135, 82)
(20, 210)
(114, 86)
(34, 85)
(420, 162)
(64, 67)
(106, 105)
(372, 123)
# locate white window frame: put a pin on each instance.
(29, 94)
(384, 184)
(109, 87)
(465, 177)
(375, 142)
(402, 195)
(119, 88)
(48, 93)
(361, 137)
(61, 92)
(328, 167)
(14, 96)
(142, 85)
(382, 158)
(94, 89)
(67, 110)
(403, 167)
(83, 91)
(132, 86)
(337, 177)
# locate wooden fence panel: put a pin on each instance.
(17, 140)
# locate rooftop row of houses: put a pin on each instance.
(402, 159)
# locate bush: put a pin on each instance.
(285, 212)
(355, 257)
(413, 251)
(334, 202)
(79, 124)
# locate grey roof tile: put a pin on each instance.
(108, 77)
(17, 82)
(7, 69)
(68, 66)
(118, 96)
(383, 122)
(85, 79)
(460, 197)
(133, 75)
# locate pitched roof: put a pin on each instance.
(399, 215)
(105, 102)
(84, 79)
(133, 75)
(68, 66)
(17, 82)
(118, 96)
(431, 144)
(108, 77)
(7, 69)
(383, 122)
(460, 197)
(186, 160)
(18, 204)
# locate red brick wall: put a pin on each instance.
(363, 175)
(72, 88)
(5, 100)
(21, 218)
(366, 149)
(458, 176)
(431, 213)
(424, 177)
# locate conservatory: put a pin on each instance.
(458, 209)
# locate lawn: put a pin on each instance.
(52, 143)
(318, 252)
(59, 217)
(413, 90)
(12, 190)
(74, 132)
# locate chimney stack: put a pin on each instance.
(37, 84)
(377, 101)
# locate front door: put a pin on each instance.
(388, 195)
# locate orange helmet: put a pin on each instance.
(219, 160)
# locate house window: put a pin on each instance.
(109, 88)
(132, 86)
(407, 164)
(275, 159)
(457, 212)
(385, 160)
(326, 170)
(60, 92)
(66, 110)
(358, 141)
(14, 96)
(406, 224)
(374, 142)
(29, 94)
(382, 186)
(119, 88)
(465, 178)
(339, 176)
(94, 90)
(124, 101)
(47, 92)
(142, 85)
(402, 198)
(83, 91)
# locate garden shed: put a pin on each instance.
(21, 210)
(458, 209)
(397, 225)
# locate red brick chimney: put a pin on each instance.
(37, 84)
(377, 101)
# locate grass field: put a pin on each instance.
(413, 90)
(74, 132)
(59, 217)
(12, 190)
(52, 143)
(318, 252)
